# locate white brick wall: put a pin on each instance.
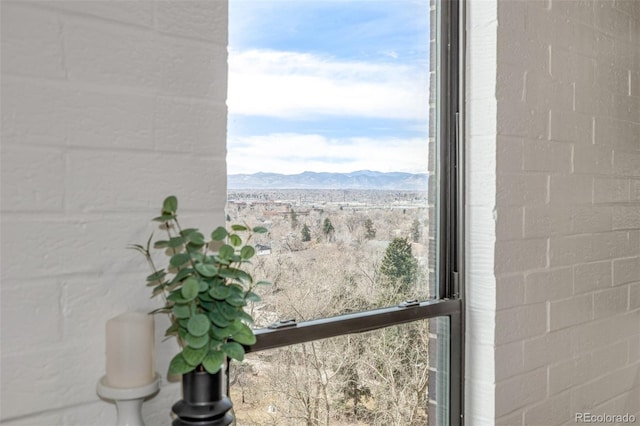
(107, 107)
(566, 255)
(481, 183)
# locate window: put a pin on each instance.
(344, 143)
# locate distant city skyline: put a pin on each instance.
(328, 86)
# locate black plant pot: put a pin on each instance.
(203, 401)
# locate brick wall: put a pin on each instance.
(567, 250)
(481, 226)
(107, 107)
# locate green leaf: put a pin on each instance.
(198, 324)
(179, 259)
(245, 336)
(215, 344)
(163, 310)
(161, 244)
(190, 288)
(226, 251)
(204, 298)
(175, 242)
(213, 361)
(176, 296)
(237, 290)
(197, 342)
(164, 218)
(173, 329)
(234, 327)
(206, 270)
(260, 230)
(178, 365)
(236, 301)
(186, 232)
(263, 283)
(234, 350)
(170, 205)
(182, 333)
(221, 333)
(156, 276)
(207, 305)
(218, 319)
(196, 238)
(235, 240)
(219, 234)
(196, 251)
(239, 227)
(181, 311)
(247, 252)
(243, 316)
(235, 274)
(228, 312)
(202, 286)
(194, 356)
(158, 289)
(253, 297)
(182, 274)
(220, 292)
(220, 261)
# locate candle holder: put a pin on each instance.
(128, 400)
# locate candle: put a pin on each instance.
(130, 351)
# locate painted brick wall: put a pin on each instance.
(107, 107)
(481, 226)
(567, 217)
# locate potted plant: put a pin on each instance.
(205, 291)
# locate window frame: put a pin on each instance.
(449, 381)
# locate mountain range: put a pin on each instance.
(363, 179)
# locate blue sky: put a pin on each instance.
(333, 86)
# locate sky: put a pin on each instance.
(328, 86)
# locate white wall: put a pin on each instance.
(107, 107)
(480, 292)
(567, 209)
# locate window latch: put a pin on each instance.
(291, 322)
(409, 303)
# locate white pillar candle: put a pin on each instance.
(130, 351)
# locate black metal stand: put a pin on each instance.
(203, 401)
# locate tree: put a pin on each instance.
(241, 374)
(294, 219)
(370, 231)
(398, 264)
(306, 233)
(328, 229)
(415, 230)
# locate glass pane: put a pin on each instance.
(329, 148)
(381, 377)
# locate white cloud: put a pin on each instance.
(301, 85)
(292, 153)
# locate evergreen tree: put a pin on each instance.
(370, 231)
(398, 264)
(294, 219)
(328, 229)
(306, 233)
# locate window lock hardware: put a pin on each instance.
(291, 322)
(409, 303)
